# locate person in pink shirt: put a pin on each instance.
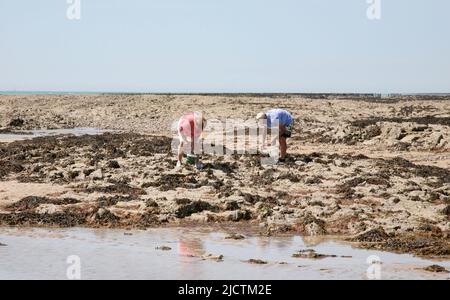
(190, 130)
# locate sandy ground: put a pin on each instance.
(374, 170)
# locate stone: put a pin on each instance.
(97, 175)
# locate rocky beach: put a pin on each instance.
(374, 171)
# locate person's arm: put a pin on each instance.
(264, 129)
(275, 138)
(282, 130)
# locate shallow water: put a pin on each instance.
(20, 135)
(119, 254)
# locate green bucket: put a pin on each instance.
(191, 159)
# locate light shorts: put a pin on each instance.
(288, 130)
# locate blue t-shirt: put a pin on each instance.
(284, 118)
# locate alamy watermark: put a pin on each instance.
(73, 271)
(374, 270)
(73, 11)
(233, 136)
(374, 10)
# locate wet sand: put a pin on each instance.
(375, 171)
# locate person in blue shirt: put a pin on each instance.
(285, 122)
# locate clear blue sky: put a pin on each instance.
(225, 46)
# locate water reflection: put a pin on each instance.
(119, 254)
(20, 135)
(191, 247)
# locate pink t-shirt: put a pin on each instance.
(187, 126)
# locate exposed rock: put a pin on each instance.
(315, 229)
(235, 236)
(446, 211)
(240, 215)
(257, 261)
(97, 175)
(372, 235)
(436, 269)
(312, 226)
(106, 217)
(163, 248)
(217, 258)
(311, 254)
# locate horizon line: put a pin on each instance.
(375, 94)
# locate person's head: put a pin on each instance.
(261, 116)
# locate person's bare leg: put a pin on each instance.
(283, 143)
(196, 152)
(283, 147)
(180, 152)
(193, 146)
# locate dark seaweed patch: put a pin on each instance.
(427, 120)
(32, 202)
(194, 207)
(52, 150)
(373, 235)
(167, 182)
(117, 188)
(113, 200)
